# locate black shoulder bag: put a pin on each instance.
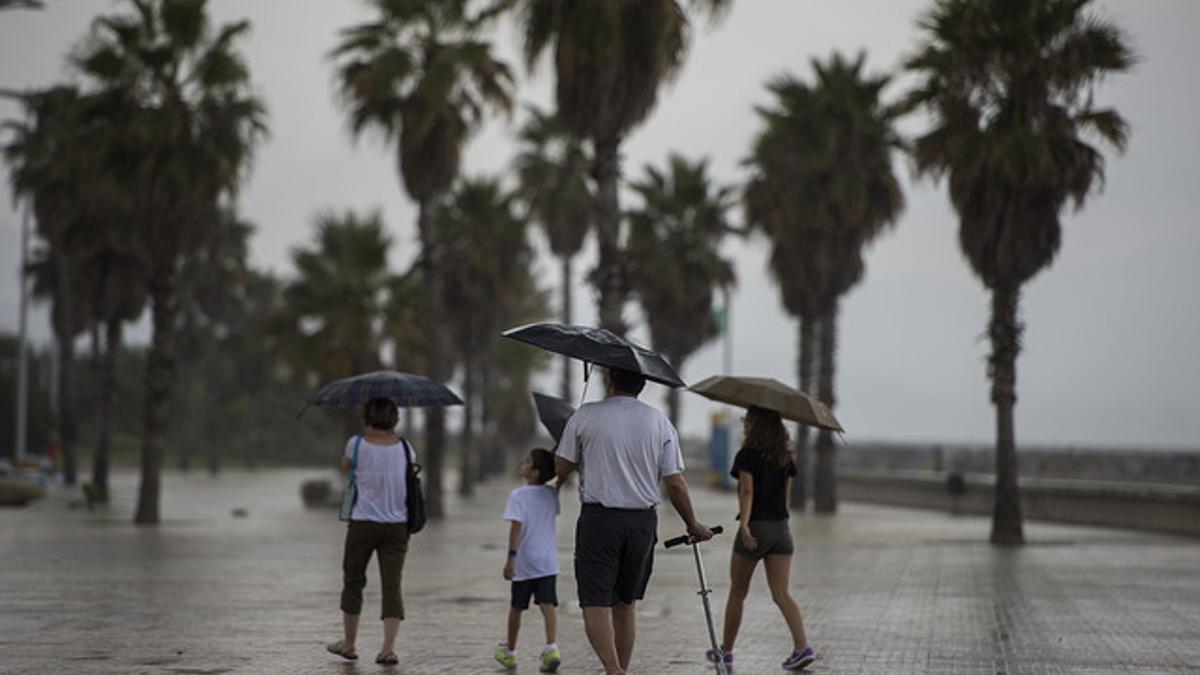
(414, 499)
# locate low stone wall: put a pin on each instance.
(1176, 467)
(1155, 507)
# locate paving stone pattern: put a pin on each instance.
(883, 590)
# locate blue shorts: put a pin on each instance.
(543, 590)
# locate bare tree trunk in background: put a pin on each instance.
(160, 370)
(807, 350)
(610, 271)
(104, 412)
(68, 418)
(409, 423)
(824, 487)
(673, 407)
(492, 460)
(1005, 333)
(568, 390)
(466, 465)
(211, 443)
(435, 416)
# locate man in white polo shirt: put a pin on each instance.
(621, 448)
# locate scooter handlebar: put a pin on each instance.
(686, 539)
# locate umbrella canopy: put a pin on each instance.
(599, 346)
(553, 412)
(407, 390)
(765, 392)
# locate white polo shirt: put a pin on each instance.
(622, 448)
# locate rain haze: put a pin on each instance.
(1109, 354)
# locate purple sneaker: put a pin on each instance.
(800, 659)
(711, 655)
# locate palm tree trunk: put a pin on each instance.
(65, 327)
(807, 349)
(567, 388)
(409, 423)
(160, 370)
(491, 462)
(108, 394)
(609, 275)
(435, 417)
(824, 487)
(673, 393)
(1005, 333)
(466, 465)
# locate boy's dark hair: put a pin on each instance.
(543, 463)
(626, 381)
(381, 413)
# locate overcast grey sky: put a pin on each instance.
(1112, 327)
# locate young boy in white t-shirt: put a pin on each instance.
(532, 564)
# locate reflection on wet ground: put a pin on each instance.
(883, 590)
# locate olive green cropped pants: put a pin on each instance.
(390, 542)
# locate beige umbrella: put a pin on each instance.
(769, 393)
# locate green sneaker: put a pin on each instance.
(506, 658)
(551, 658)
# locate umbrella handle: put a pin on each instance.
(587, 371)
(685, 539)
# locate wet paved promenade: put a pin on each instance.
(883, 590)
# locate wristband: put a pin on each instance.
(512, 552)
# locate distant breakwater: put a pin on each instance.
(1176, 467)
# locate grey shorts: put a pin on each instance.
(774, 538)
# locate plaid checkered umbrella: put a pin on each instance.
(407, 390)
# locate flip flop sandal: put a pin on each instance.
(339, 648)
(387, 659)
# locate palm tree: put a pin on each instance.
(489, 245)
(674, 241)
(89, 267)
(422, 76)
(610, 58)
(331, 320)
(553, 184)
(51, 159)
(823, 187)
(115, 274)
(1010, 89)
(211, 283)
(182, 128)
(405, 316)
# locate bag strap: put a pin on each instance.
(411, 456)
(354, 459)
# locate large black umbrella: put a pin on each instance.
(553, 412)
(406, 389)
(599, 346)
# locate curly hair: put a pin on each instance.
(765, 432)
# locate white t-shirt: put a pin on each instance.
(534, 507)
(622, 447)
(382, 489)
